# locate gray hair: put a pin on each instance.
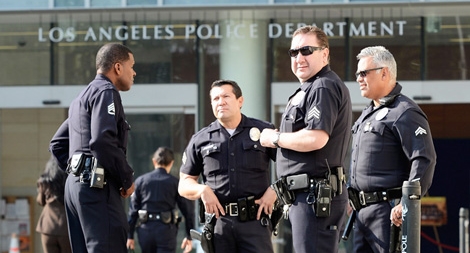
(381, 57)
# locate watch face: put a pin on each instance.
(275, 138)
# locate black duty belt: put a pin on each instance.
(369, 198)
(165, 217)
(154, 216)
(245, 209)
(231, 209)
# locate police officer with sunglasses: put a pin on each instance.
(312, 144)
(392, 143)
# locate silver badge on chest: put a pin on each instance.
(254, 134)
(382, 113)
(298, 98)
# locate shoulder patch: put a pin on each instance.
(420, 130)
(111, 110)
(184, 158)
(313, 113)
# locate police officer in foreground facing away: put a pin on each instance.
(95, 138)
(235, 169)
(312, 144)
(392, 143)
(153, 207)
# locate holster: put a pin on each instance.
(143, 216)
(276, 217)
(78, 164)
(206, 237)
(354, 201)
(284, 194)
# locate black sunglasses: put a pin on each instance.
(307, 50)
(365, 72)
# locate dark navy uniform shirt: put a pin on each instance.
(157, 191)
(321, 103)
(96, 125)
(234, 166)
(391, 144)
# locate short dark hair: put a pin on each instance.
(309, 29)
(163, 156)
(109, 54)
(236, 89)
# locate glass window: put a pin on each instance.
(105, 3)
(212, 2)
(447, 48)
(401, 36)
(289, 1)
(69, 3)
(26, 60)
(25, 4)
(141, 2)
(150, 131)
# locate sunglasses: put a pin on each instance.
(365, 72)
(307, 50)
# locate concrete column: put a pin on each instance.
(243, 59)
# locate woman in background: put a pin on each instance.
(52, 224)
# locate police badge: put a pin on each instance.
(254, 134)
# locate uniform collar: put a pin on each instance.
(244, 123)
(320, 73)
(304, 86)
(161, 170)
(387, 100)
(103, 77)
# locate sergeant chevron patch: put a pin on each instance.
(420, 130)
(111, 109)
(314, 112)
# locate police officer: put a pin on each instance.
(153, 206)
(392, 143)
(312, 144)
(95, 137)
(235, 171)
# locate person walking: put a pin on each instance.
(52, 223)
(152, 208)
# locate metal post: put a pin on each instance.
(463, 235)
(411, 203)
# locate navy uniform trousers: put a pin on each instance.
(157, 237)
(96, 217)
(317, 234)
(249, 236)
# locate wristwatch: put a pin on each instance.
(275, 139)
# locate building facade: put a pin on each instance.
(48, 50)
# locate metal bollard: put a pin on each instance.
(411, 230)
(463, 234)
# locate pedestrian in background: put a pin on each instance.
(153, 208)
(52, 223)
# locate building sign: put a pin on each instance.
(214, 31)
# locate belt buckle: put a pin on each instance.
(362, 198)
(232, 209)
